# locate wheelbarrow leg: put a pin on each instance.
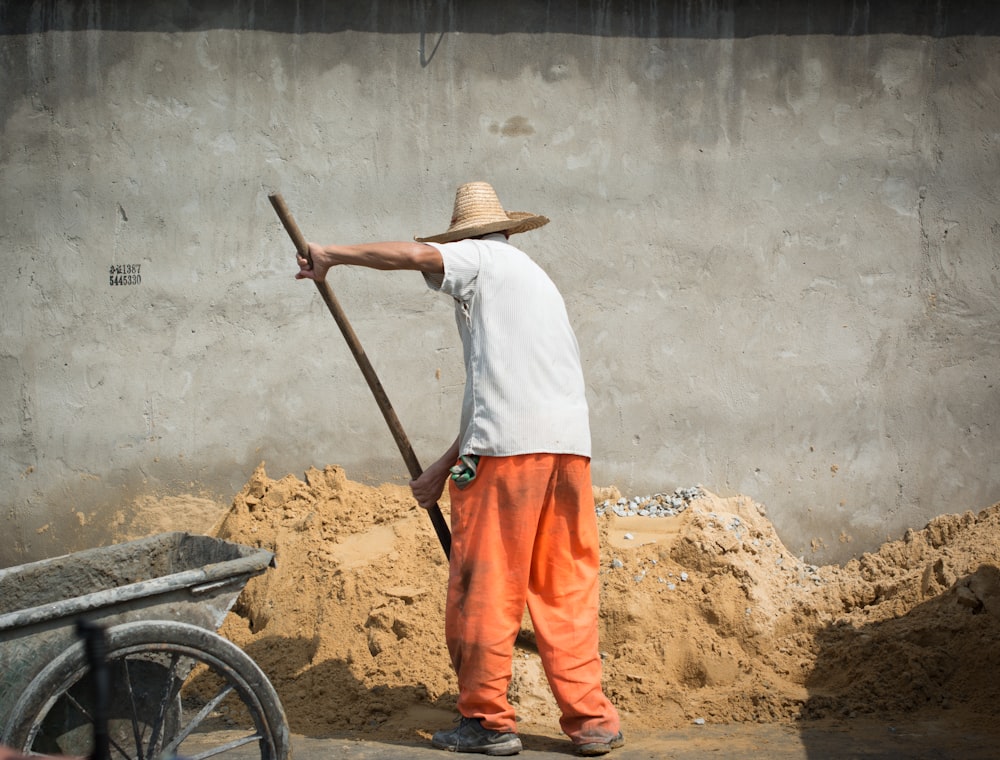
(96, 646)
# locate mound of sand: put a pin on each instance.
(705, 615)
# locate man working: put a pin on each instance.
(522, 511)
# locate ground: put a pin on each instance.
(707, 622)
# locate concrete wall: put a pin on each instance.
(776, 227)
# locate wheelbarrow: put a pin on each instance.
(177, 688)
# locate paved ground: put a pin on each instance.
(855, 739)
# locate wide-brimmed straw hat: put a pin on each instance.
(478, 212)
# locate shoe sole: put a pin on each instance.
(495, 750)
(594, 749)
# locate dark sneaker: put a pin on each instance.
(470, 736)
(591, 749)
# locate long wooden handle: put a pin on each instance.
(395, 427)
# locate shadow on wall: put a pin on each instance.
(717, 20)
(938, 664)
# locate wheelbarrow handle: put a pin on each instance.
(395, 427)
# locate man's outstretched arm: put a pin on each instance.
(386, 256)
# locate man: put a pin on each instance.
(522, 509)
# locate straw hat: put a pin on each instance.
(478, 212)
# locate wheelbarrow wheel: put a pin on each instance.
(177, 690)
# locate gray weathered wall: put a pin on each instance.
(776, 228)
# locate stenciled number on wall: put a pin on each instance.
(125, 274)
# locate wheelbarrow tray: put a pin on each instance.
(171, 577)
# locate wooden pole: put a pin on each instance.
(395, 427)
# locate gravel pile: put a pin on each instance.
(657, 505)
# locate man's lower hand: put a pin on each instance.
(428, 487)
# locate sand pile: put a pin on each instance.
(705, 615)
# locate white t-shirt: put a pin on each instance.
(524, 387)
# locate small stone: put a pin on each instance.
(967, 598)
(407, 593)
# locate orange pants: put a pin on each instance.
(524, 531)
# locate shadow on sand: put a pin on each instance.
(929, 679)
